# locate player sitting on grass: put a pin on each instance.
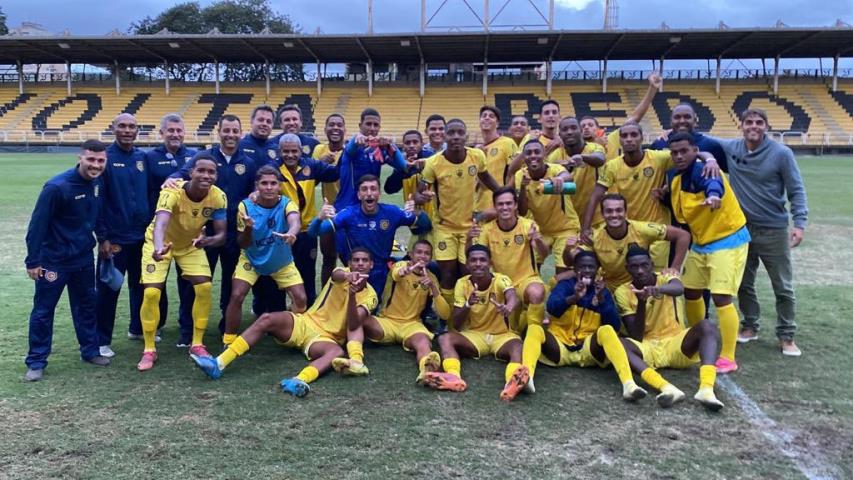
(652, 311)
(582, 331)
(407, 294)
(174, 233)
(266, 230)
(336, 317)
(483, 302)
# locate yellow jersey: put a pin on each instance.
(330, 189)
(301, 193)
(410, 187)
(545, 140)
(406, 298)
(665, 316)
(512, 252)
(611, 252)
(636, 184)
(500, 152)
(483, 316)
(554, 214)
(329, 312)
(455, 187)
(188, 217)
(706, 225)
(585, 178)
(614, 146)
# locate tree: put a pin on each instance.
(227, 16)
(4, 30)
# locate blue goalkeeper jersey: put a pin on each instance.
(268, 253)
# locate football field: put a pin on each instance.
(784, 418)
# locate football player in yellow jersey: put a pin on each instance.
(415, 153)
(549, 118)
(335, 130)
(639, 175)
(717, 257)
(610, 242)
(483, 302)
(500, 154)
(653, 314)
(336, 317)
(452, 175)
(554, 214)
(407, 294)
(582, 159)
(519, 130)
(592, 132)
(176, 232)
(514, 243)
(583, 327)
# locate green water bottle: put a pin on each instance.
(569, 188)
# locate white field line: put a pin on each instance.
(809, 462)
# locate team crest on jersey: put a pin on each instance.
(115, 248)
(648, 172)
(173, 163)
(207, 211)
(493, 151)
(459, 173)
(247, 267)
(50, 276)
(140, 165)
(384, 224)
(150, 268)
(306, 171)
(271, 153)
(442, 245)
(519, 239)
(306, 149)
(472, 170)
(240, 169)
(506, 242)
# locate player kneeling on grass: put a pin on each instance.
(336, 317)
(483, 302)
(174, 234)
(651, 307)
(266, 231)
(582, 331)
(406, 296)
(717, 258)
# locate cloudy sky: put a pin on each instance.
(350, 16)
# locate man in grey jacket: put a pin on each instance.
(764, 175)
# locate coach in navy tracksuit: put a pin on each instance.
(59, 253)
(290, 121)
(124, 216)
(163, 161)
(235, 175)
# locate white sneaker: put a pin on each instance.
(106, 351)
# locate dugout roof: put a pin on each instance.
(504, 46)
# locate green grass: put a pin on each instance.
(86, 422)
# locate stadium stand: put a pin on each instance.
(805, 110)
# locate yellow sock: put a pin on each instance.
(695, 311)
(615, 352)
(149, 315)
(235, 349)
(422, 363)
(707, 376)
(355, 351)
(653, 379)
(453, 366)
(510, 368)
(228, 338)
(308, 374)
(535, 314)
(728, 330)
(532, 349)
(201, 310)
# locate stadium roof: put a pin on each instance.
(559, 45)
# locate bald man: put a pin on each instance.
(120, 228)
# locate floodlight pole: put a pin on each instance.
(115, 74)
(717, 81)
(20, 77)
(776, 75)
(216, 77)
(68, 77)
(835, 73)
(166, 69)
